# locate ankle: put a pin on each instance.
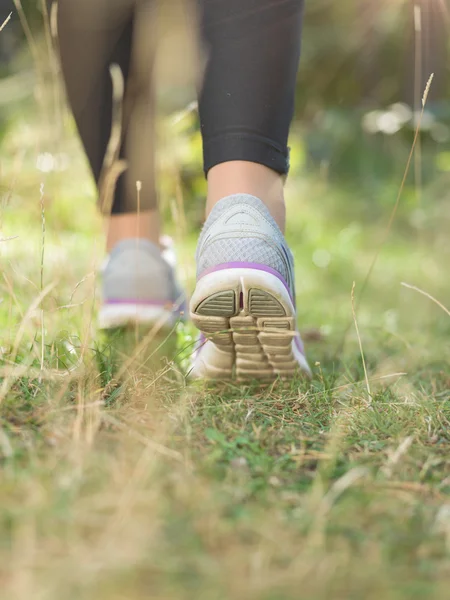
(145, 225)
(242, 177)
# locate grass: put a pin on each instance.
(120, 479)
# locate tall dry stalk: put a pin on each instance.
(369, 394)
(42, 201)
(417, 91)
(427, 295)
(393, 212)
(5, 22)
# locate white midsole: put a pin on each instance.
(244, 279)
(219, 360)
(120, 315)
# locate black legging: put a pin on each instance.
(246, 102)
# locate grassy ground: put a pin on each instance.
(119, 479)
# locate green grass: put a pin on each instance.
(121, 480)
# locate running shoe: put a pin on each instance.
(140, 287)
(244, 300)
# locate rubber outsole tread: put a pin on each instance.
(253, 330)
(219, 304)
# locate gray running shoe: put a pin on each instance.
(244, 301)
(139, 287)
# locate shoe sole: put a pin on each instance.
(249, 321)
(112, 316)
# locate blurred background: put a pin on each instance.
(139, 486)
(364, 69)
(363, 72)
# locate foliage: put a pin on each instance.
(135, 483)
(121, 479)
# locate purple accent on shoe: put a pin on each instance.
(299, 344)
(201, 341)
(247, 265)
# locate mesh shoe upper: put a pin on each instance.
(137, 272)
(240, 229)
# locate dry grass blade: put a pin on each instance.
(138, 239)
(360, 343)
(396, 456)
(427, 90)
(112, 166)
(427, 295)
(400, 191)
(151, 444)
(417, 88)
(5, 22)
(395, 208)
(342, 484)
(20, 333)
(42, 201)
(27, 30)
